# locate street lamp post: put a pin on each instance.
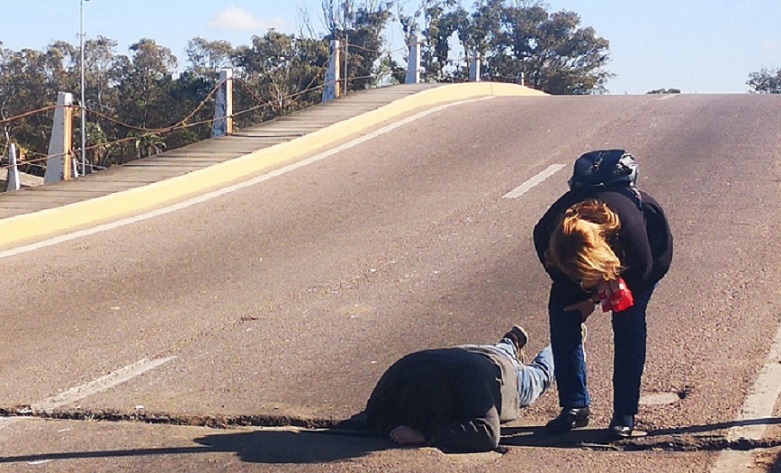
(83, 107)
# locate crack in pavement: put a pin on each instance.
(216, 422)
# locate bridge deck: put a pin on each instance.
(199, 155)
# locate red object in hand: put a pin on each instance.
(616, 297)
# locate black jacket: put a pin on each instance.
(456, 397)
(644, 268)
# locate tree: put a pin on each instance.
(207, 58)
(434, 20)
(766, 81)
(283, 71)
(550, 50)
(359, 26)
(664, 91)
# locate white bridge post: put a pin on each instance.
(331, 89)
(223, 107)
(413, 63)
(474, 68)
(60, 167)
(12, 181)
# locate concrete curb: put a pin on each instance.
(38, 225)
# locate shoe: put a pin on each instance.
(622, 426)
(519, 337)
(568, 420)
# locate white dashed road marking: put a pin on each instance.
(101, 384)
(534, 181)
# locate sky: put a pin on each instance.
(697, 46)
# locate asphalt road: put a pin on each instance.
(282, 302)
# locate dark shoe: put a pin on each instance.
(622, 426)
(519, 337)
(568, 420)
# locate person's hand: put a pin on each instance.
(585, 308)
(405, 435)
(615, 295)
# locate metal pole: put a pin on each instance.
(83, 108)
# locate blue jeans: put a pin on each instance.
(629, 338)
(533, 379)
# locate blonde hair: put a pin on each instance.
(579, 245)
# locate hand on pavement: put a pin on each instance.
(405, 435)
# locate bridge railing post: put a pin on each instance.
(331, 89)
(474, 68)
(223, 109)
(60, 164)
(413, 63)
(12, 181)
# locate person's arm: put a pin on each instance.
(475, 427)
(476, 434)
(633, 240)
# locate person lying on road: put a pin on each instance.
(455, 398)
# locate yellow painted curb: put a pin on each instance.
(37, 225)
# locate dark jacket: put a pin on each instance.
(456, 397)
(643, 268)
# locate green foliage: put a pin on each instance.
(550, 51)
(766, 81)
(517, 41)
(358, 25)
(664, 91)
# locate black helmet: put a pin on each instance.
(602, 168)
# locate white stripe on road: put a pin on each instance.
(757, 406)
(101, 384)
(233, 188)
(534, 181)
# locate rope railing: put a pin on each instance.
(178, 125)
(27, 114)
(36, 159)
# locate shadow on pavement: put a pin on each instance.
(296, 447)
(536, 436)
(268, 446)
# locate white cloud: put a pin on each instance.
(770, 46)
(238, 19)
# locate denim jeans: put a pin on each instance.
(629, 338)
(533, 379)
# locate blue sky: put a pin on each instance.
(698, 46)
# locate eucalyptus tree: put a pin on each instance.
(550, 51)
(207, 58)
(766, 81)
(434, 21)
(29, 83)
(358, 25)
(280, 71)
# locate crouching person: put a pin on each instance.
(455, 398)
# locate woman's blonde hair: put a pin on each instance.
(579, 246)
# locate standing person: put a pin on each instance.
(455, 398)
(603, 242)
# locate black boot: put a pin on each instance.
(569, 419)
(622, 426)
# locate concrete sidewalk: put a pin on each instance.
(35, 213)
